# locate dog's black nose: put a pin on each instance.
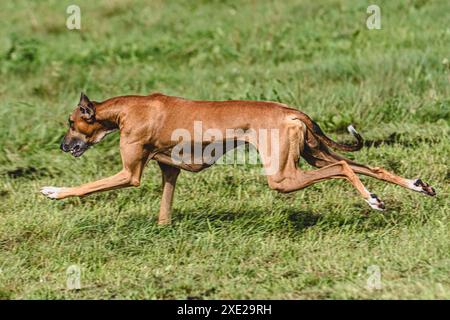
(64, 147)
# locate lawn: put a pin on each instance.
(231, 237)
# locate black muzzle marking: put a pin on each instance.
(75, 146)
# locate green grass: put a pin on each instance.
(232, 237)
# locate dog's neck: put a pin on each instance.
(109, 112)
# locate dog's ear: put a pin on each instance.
(87, 108)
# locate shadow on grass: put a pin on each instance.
(240, 222)
(303, 219)
(135, 228)
(31, 173)
(399, 139)
(192, 223)
(137, 231)
(254, 219)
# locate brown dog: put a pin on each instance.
(147, 125)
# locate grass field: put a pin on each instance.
(232, 237)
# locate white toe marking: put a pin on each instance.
(51, 192)
(410, 183)
(351, 129)
(375, 203)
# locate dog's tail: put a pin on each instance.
(315, 129)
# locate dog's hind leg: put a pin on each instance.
(382, 174)
(324, 156)
(290, 178)
(300, 179)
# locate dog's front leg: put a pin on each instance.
(120, 180)
(169, 179)
(134, 158)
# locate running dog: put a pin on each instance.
(147, 123)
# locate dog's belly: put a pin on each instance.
(196, 157)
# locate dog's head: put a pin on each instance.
(84, 129)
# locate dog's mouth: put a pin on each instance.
(76, 147)
(78, 152)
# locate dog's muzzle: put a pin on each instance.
(76, 147)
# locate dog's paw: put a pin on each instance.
(375, 202)
(422, 187)
(52, 192)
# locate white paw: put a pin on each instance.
(420, 186)
(375, 202)
(51, 192)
